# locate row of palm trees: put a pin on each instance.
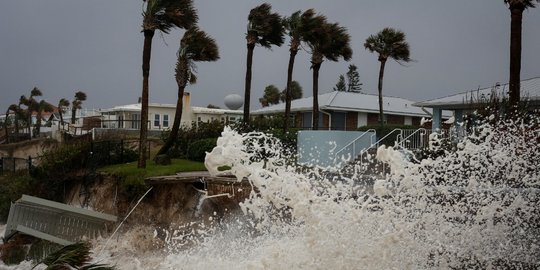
(324, 40)
(27, 106)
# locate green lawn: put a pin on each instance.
(133, 176)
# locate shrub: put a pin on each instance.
(197, 150)
(187, 135)
(12, 187)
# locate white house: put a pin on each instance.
(161, 116)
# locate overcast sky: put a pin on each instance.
(62, 46)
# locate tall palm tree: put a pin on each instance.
(388, 43)
(23, 114)
(266, 29)
(162, 15)
(195, 46)
(326, 41)
(76, 104)
(62, 106)
(516, 10)
(296, 26)
(42, 106)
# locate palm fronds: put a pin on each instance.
(75, 256)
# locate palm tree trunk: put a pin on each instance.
(381, 76)
(61, 119)
(177, 119)
(147, 50)
(315, 116)
(38, 124)
(515, 53)
(288, 89)
(247, 93)
(73, 112)
(6, 130)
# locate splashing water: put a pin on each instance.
(475, 206)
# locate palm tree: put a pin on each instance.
(329, 41)
(266, 29)
(62, 105)
(195, 46)
(162, 15)
(297, 26)
(42, 106)
(516, 10)
(388, 43)
(74, 256)
(76, 104)
(23, 114)
(13, 108)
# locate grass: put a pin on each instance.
(130, 169)
(132, 178)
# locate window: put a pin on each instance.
(156, 120)
(199, 119)
(165, 120)
(136, 119)
(232, 118)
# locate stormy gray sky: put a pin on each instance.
(62, 46)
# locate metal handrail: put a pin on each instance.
(401, 143)
(378, 141)
(353, 142)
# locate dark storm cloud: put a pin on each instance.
(62, 46)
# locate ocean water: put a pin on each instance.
(475, 206)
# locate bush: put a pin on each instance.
(196, 151)
(188, 135)
(12, 187)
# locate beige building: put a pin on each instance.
(161, 116)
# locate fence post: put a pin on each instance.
(148, 146)
(1, 165)
(121, 151)
(108, 152)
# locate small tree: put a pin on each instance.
(353, 80)
(296, 92)
(76, 104)
(270, 97)
(340, 85)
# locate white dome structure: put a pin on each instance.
(234, 101)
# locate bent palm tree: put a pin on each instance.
(264, 28)
(76, 104)
(297, 26)
(162, 15)
(326, 41)
(388, 43)
(195, 46)
(62, 105)
(516, 10)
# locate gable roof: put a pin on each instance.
(530, 90)
(348, 101)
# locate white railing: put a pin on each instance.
(340, 152)
(413, 139)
